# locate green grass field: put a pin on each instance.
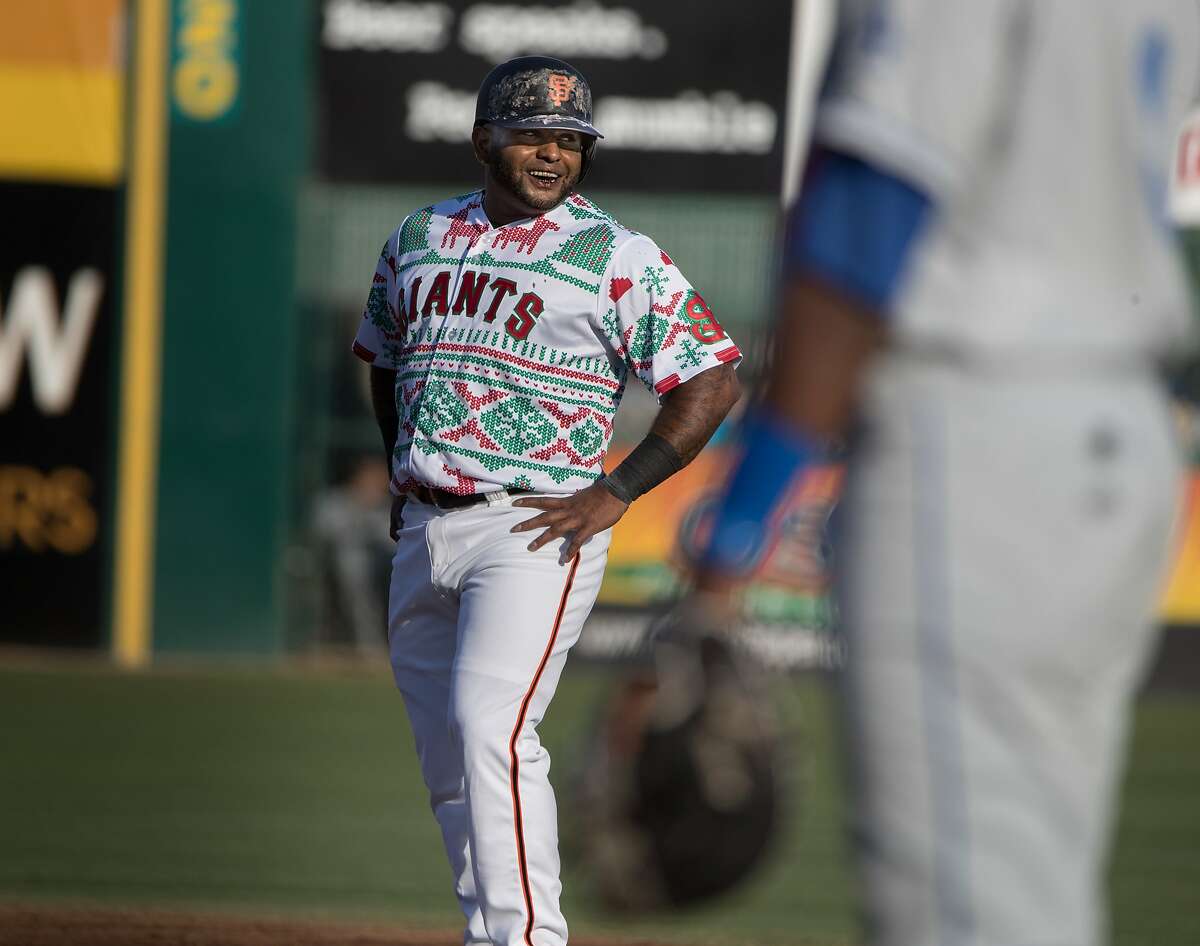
(295, 792)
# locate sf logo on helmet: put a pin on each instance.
(559, 87)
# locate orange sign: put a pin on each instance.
(62, 72)
(644, 562)
(653, 540)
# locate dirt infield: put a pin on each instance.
(45, 925)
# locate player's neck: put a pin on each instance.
(502, 208)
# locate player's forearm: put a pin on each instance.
(823, 343)
(687, 420)
(383, 403)
(692, 412)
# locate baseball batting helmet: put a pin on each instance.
(539, 92)
(680, 796)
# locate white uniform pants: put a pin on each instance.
(479, 628)
(1002, 543)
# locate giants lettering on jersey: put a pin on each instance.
(524, 316)
(472, 289)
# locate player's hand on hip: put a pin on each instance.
(396, 520)
(576, 518)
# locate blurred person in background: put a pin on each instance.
(349, 521)
(981, 285)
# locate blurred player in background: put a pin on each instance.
(356, 553)
(981, 284)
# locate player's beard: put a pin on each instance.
(513, 179)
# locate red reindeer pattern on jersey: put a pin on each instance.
(526, 238)
(460, 228)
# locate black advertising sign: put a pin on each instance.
(689, 94)
(56, 403)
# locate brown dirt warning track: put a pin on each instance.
(46, 925)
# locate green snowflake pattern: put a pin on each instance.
(518, 425)
(440, 408)
(654, 280)
(587, 438)
(688, 354)
(612, 326)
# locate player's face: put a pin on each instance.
(536, 167)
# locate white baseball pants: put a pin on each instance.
(479, 629)
(1002, 543)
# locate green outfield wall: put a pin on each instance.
(239, 94)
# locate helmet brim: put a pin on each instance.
(552, 122)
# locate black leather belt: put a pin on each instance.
(444, 499)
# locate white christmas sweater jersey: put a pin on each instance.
(512, 344)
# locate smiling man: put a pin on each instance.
(501, 327)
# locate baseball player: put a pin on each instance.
(501, 328)
(981, 283)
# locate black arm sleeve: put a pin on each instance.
(652, 461)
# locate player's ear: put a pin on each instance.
(481, 141)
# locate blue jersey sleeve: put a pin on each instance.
(854, 226)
